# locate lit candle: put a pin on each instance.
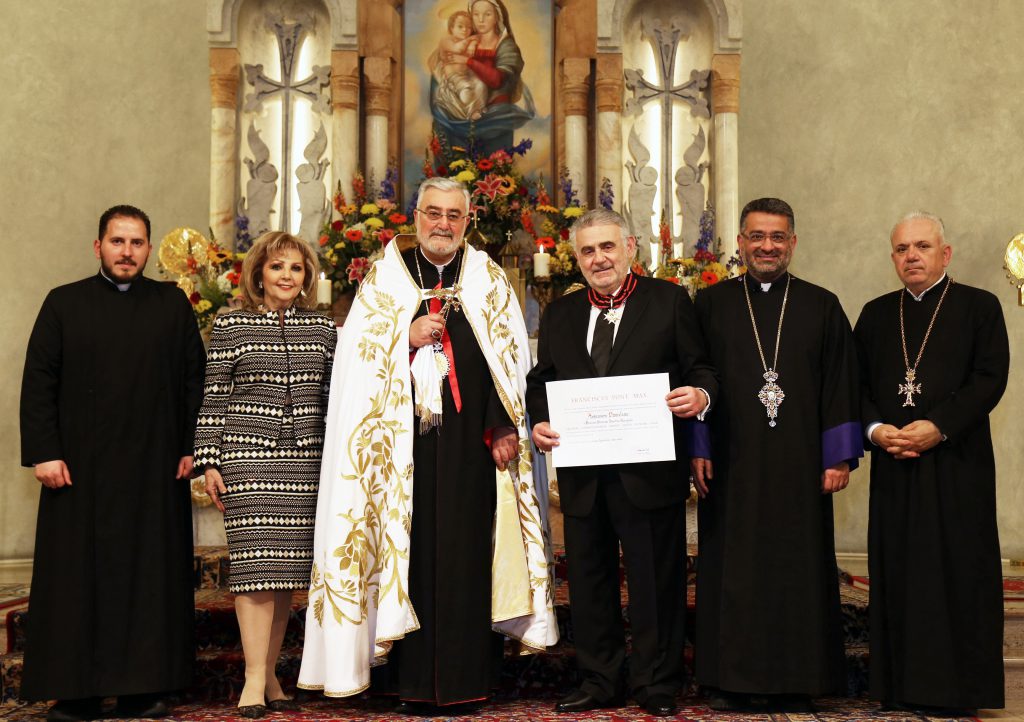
(540, 262)
(323, 291)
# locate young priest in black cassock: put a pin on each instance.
(935, 359)
(623, 325)
(781, 439)
(112, 386)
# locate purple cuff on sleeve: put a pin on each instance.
(700, 439)
(842, 443)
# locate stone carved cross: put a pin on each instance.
(289, 38)
(666, 42)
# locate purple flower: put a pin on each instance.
(243, 241)
(387, 186)
(520, 148)
(606, 195)
(565, 186)
(707, 228)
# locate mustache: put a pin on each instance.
(442, 233)
(127, 262)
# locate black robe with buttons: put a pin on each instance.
(933, 545)
(112, 386)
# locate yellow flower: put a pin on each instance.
(465, 176)
(373, 222)
(347, 210)
(458, 163)
(203, 305)
(547, 209)
(339, 245)
(369, 209)
(573, 212)
(407, 228)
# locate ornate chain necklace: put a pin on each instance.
(771, 394)
(911, 387)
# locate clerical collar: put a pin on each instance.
(765, 287)
(612, 300)
(122, 287)
(920, 297)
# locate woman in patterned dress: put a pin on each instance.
(260, 439)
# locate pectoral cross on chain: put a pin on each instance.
(910, 388)
(771, 396)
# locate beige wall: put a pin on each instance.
(854, 112)
(104, 102)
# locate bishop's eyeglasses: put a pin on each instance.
(435, 216)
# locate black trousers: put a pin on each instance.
(654, 551)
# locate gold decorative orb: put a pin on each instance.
(181, 244)
(1013, 262)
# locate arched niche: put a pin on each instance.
(702, 39)
(278, 168)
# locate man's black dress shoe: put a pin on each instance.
(141, 706)
(73, 710)
(580, 701)
(660, 705)
(721, 701)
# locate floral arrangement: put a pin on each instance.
(499, 195)
(357, 234)
(705, 267)
(207, 272)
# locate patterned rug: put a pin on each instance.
(378, 709)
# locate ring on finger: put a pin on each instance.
(436, 333)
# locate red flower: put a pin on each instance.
(384, 235)
(324, 239)
(354, 234)
(564, 234)
(546, 241)
(339, 201)
(238, 267)
(234, 278)
(441, 170)
(398, 218)
(709, 277)
(484, 164)
(338, 226)
(357, 269)
(523, 191)
(527, 221)
(489, 187)
(673, 279)
(638, 269)
(435, 146)
(195, 298)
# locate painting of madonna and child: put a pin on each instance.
(478, 75)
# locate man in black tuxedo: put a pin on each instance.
(623, 325)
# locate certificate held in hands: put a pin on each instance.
(611, 420)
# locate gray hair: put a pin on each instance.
(599, 217)
(940, 227)
(441, 184)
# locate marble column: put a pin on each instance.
(344, 119)
(224, 78)
(725, 108)
(377, 76)
(576, 102)
(608, 155)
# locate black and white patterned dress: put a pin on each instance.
(262, 426)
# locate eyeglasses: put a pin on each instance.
(435, 215)
(778, 238)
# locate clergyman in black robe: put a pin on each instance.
(112, 385)
(766, 464)
(453, 657)
(933, 545)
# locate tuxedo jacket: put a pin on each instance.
(658, 333)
